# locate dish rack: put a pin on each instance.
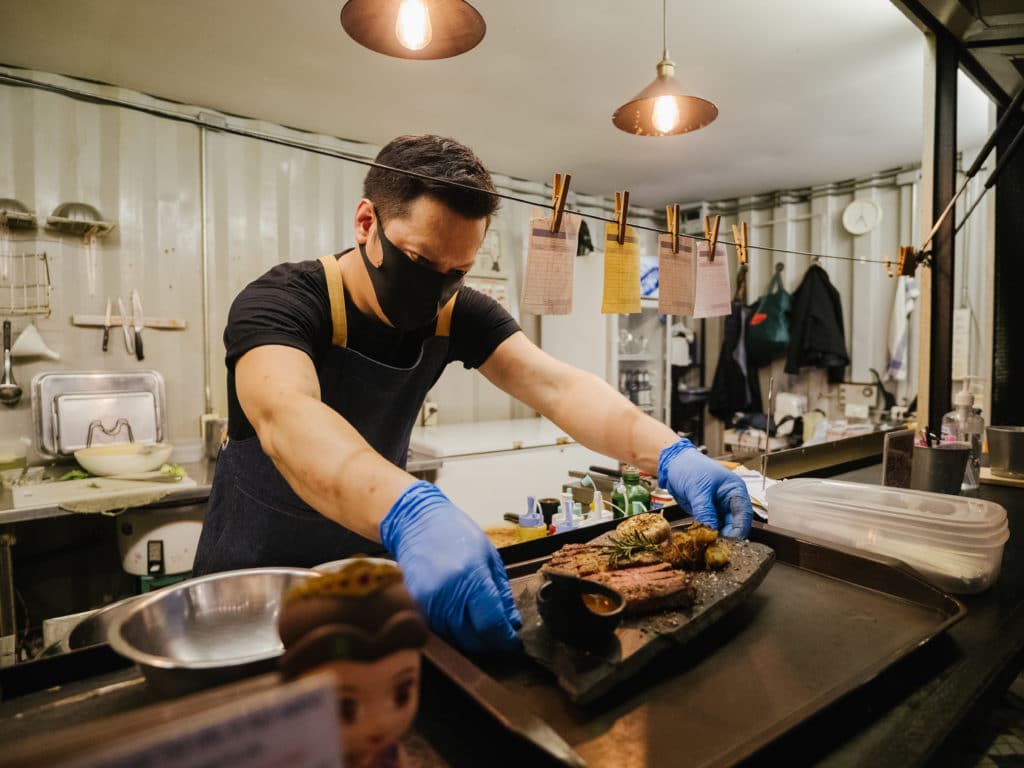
(25, 284)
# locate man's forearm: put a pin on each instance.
(603, 420)
(329, 464)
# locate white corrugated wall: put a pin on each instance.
(267, 204)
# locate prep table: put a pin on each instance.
(911, 714)
(487, 465)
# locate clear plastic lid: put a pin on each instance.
(873, 527)
(931, 511)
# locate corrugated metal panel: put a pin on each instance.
(267, 204)
(140, 172)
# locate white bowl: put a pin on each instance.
(123, 458)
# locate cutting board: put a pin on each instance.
(989, 479)
(119, 493)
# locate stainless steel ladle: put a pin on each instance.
(10, 392)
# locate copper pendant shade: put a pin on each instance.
(662, 109)
(414, 29)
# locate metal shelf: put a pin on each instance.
(640, 358)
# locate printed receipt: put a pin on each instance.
(550, 260)
(621, 272)
(675, 277)
(714, 291)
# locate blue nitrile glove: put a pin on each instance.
(452, 570)
(703, 487)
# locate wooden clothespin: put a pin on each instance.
(888, 266)
(621, 211)
(739, 236)
(711, 234)
(559, 194)
(672, 219)
(907, 265)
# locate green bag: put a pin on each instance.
(768, 329)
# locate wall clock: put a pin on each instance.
(861, 216)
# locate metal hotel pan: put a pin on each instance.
(825, 621)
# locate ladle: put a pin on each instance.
(10, 392)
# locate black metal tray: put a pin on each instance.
(825, 621)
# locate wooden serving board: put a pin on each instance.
(586, 675)
(989, 479)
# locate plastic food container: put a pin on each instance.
(955, 542)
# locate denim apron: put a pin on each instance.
(254, 518)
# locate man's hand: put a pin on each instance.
(705, 489)
(452, 570)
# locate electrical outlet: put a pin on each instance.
(430, 411)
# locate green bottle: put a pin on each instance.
(619, 501)
(637, 498)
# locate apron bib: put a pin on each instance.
(254, 518)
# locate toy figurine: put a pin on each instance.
(362, 624)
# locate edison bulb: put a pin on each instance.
(412, 25)
(665, 114)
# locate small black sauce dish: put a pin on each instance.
(579, 612)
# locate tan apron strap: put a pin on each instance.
(336, 293)
(444, 317)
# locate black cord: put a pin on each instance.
(342, 155)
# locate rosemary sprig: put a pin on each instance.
(626, 546)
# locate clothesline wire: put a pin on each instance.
(350, 157)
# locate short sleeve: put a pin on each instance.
(479, 325)
(288, 306)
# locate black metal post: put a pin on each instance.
(1008, 320)
(940, 384)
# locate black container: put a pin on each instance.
(580, 612)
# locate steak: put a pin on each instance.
(650, 588)
(646, 588)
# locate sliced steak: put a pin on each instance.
(650, 588)
(647, 588)
(583, 560)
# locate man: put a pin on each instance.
(328, 364)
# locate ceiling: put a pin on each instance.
(809, 91)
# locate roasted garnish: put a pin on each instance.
(652, 525)
(627, 546)
(687, 549)
(717, 555)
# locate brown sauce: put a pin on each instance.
(599, 603)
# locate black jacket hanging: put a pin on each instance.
(735, 388)
(816, 335)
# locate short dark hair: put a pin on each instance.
(437, 157)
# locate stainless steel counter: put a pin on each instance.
(201, 472)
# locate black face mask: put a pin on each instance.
(410, 294)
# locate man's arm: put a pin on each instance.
(603, 420)
(450, 567)
(323, 458)
(582, 404)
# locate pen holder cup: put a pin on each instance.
(939, 468)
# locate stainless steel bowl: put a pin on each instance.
(209, 630)
(94, 629)
(1006, 451)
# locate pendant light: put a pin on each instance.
(662, 109)
(414, 29)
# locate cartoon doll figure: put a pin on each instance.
(360, 623)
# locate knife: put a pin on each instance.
(139, 323)
(124, 327)
(498, 701)
(106, 328)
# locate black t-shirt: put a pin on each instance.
(290, 306)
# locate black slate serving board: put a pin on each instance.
(586, 675)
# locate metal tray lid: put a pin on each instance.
(55, 433)
(73, 416)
